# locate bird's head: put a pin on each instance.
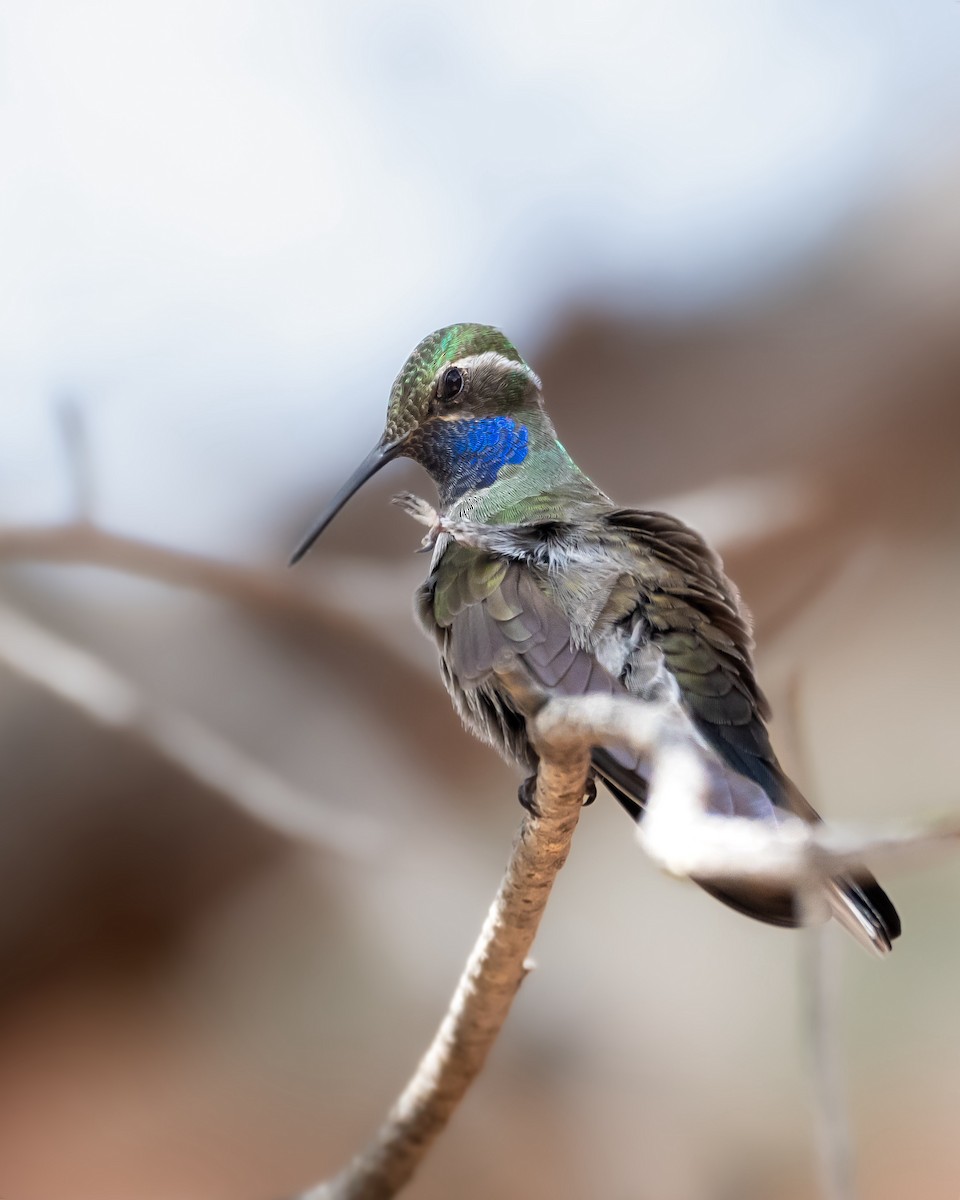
(464, 406)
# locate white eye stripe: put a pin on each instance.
(493, 360)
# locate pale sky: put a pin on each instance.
(223, 225)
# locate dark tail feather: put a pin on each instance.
(860, 905)
(864, 908)
(872, 896)
(608, 770)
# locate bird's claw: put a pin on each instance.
(527, 795)
(423, 513)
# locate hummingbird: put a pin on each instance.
(582, 596)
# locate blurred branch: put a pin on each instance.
(746, 512)
(81, 542)
(820, 999)
(102, 694)
(817, 609)
(687, 840)
(261, 590)
(819, 981)
(76, 445)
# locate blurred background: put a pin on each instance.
(245, 845)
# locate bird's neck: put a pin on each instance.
(524, 474)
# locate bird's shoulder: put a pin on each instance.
(460, 577)
(677, 580)
(678, 601)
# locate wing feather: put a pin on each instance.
(675, 597)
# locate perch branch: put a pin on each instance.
(496, 968)
(680, 834)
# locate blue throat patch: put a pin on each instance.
(467, 455)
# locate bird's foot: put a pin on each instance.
(527, 795)
(425, 514)
(489, 538)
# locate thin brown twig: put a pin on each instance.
(493, 974)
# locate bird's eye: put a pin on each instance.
(450, 384)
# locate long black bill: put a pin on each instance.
(378, 457)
